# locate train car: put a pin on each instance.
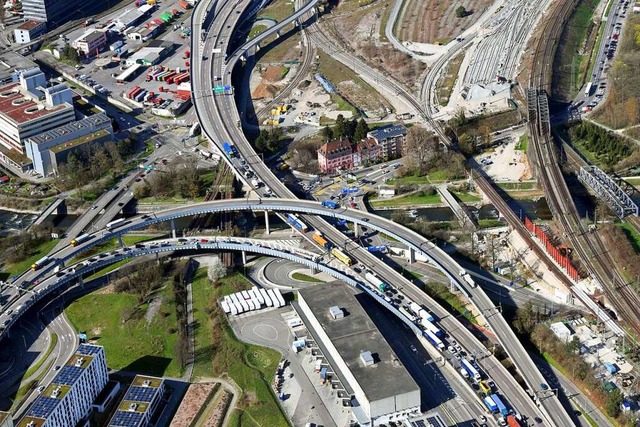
(431, 327)
(319, 239)
(437, 342)
(344, 258)
(80, 239)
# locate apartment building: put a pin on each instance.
(67, 400)
(140, 402)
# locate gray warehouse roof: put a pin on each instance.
(356, 333)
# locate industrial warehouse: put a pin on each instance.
(358, 353)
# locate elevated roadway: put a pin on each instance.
(449, 322)
(220, 122)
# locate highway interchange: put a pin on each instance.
(220, 122)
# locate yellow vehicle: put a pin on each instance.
(344, 258)
(484, 386)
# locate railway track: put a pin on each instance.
(594, 257)
(302, 72)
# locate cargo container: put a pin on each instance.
(424, 314)
(344, 258)
(295, 221)
(381, 249)
(318, 365)
(140, 96)
(490, 404)
(183, 4)
(376, 282)
(39, 263)
(503, 409)
(330, 204)
(473, 372)
(429, 326)
(80, 239)
(437, 342)
(317, 236)
(512, 421)
(294, 323)
(135, 92)
(168, 75)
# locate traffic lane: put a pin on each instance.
(455, 329)
(279, 271)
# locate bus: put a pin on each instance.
(344, 258)
(587, 90)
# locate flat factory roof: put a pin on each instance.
(355, 333)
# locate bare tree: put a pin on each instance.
(422, 147)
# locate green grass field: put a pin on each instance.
(117, 322)
(436, 176)
(305, 278)
(258, 29)
(467, 198)
(407, 201)
(278, 10)
(22, 266)
(218, 351)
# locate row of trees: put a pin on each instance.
(355, 130)
(269, 141)
(608, 147)
(90, 163)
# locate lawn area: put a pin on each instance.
(117, 322)
(631, 234)
(407, 200)
(490, 223)
(258, 29)
(431, 178)
(522, 143)
(278, 10)
(466, 197)
(449, 301)
(527, 185)
(109, 268)
(218, 351)
(343, 105)
(305, 278)
(22, 266)
(165, 200)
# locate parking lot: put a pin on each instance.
(100, 71)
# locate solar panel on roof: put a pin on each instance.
(435, 421)
(42, 407)
(68, 375)
(88, 350)
(140, 394)
(126, 419)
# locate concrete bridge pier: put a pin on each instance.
(412, 256)
(173, 229)
(244, 257)
(356, 229)
(81, 282)
(266, 222)
(120, 242)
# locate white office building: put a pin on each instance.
(382, 389)
(67, 400)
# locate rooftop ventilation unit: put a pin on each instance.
(133, 407)
(367, 358)
(79, 362)
(146, 383)
(336, 312)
